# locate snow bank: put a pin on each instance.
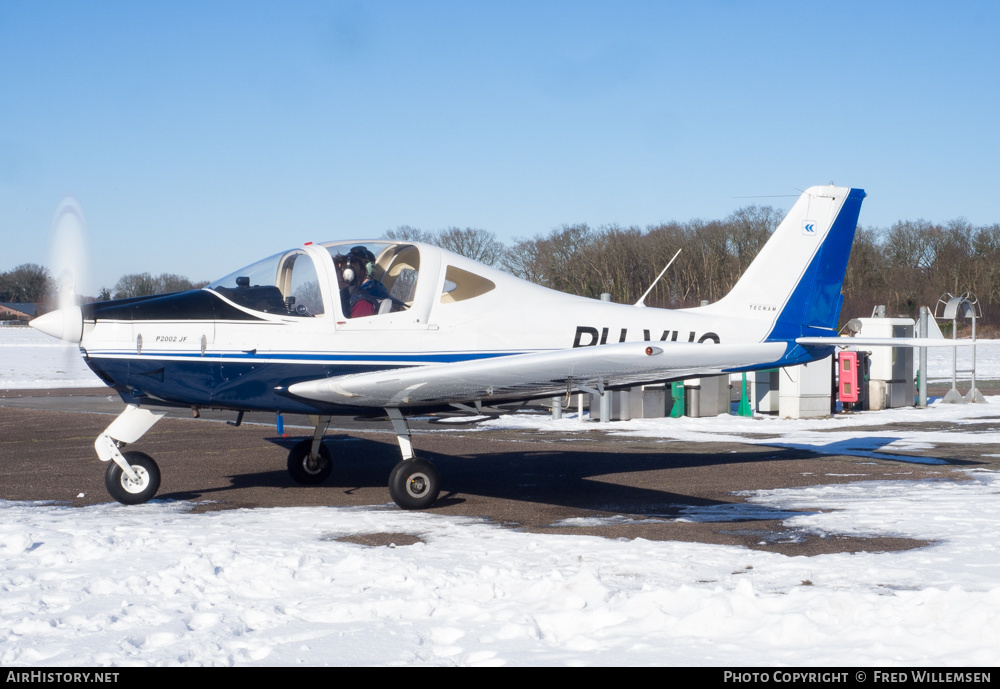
(155, 585)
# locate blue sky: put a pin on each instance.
(199, 136)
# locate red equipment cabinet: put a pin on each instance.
(847, 369)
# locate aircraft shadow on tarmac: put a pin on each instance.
(591, 481)
(869, 447)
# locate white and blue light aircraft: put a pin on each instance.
(275, 337)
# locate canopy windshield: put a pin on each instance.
(285, 283)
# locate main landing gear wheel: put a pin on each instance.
(129, 492)
(307, 471)
(414, 484)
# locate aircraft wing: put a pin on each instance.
(538, 374)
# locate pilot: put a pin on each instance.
(344, 271)
(364, 293)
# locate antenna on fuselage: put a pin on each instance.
(645, 294)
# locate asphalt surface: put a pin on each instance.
(525, 480)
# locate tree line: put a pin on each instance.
(904, 266)
(913, 263)
(31, 283)
(144, 284)
(624, 261)
(909, 264)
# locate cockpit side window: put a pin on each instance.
(460, 285)
(301, 286)
(387, 285)
(400, 270)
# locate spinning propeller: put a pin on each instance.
(67, 259)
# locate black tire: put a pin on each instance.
(305, 472)
(129, 492)
(392, 475)
(414, 484)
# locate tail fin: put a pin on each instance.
(793, 286)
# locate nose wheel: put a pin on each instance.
(133, 492)
(414, 484)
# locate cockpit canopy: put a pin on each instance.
(289, 283)
(313, 280)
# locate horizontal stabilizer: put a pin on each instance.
(890, 342)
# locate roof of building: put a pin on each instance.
(20, 307)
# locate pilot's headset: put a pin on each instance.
(365, 257)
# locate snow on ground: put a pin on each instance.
(844, 434)
(939, 364)
(30, 359)
(109, 585)
(114, 585)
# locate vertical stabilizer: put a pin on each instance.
(793, 286)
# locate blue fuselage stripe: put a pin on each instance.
(326, 357)
(243, 380)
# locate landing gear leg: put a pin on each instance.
(134, 477)
(414, 483)
(309, 462)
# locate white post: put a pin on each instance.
(922, 333)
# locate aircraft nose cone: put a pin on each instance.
(65, 324)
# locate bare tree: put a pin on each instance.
(750, 228)
(169, 282)
(474, 243)
(134, 285)
(522, 260)
(405, 233)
